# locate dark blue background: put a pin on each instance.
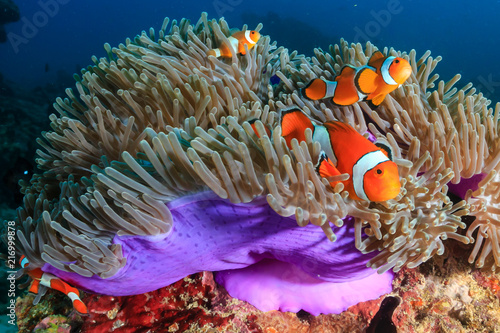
(465, 33)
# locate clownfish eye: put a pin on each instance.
(397, 61)
(379, 172)
(253, 32)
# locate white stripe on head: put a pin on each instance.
(247, 37)
(323, 137)
(367, 162)
(331, 86)
(217, 52)
(384, 69)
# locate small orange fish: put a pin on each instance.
(52, 281)
(373, 176)
(370, 83)
(238, 41)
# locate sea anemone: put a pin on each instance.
(158, 120)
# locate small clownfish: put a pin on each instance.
(370, 83)
(52, 281)
(373, 176)
(238, 41)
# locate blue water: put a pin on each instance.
(64, 38)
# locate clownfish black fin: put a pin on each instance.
(375, 56)
(386, 149)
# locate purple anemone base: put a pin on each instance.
(262, 257)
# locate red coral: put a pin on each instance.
(488, 281)
(183, 305)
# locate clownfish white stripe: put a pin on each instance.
(247, 37)
(217, 53)
(384, 69)
(365, 163)
(234, 43)
(46, 278)
(73, 296)
(331, 86)
(322, 136)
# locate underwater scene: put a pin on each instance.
(249, 166)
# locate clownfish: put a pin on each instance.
(238, 41)
(373, 176)
(369, 83)
(51, 281)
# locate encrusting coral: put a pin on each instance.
(158, 119)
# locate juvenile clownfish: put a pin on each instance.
(238, 41)
(370, 83)
(52, 281)
(373, 176)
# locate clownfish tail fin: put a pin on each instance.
(293, 119)
(314, 90)
(294, 123)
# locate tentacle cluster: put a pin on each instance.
(158, 119)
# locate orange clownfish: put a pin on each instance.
(51, 281)
(370, 83)
(238, 41)
(373, 176)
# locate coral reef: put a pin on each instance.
(158, 120)
(443, 295)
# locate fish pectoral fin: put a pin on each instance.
(377, 100)
(316, 89)
(375, 56)
(366, 80)
(324, 167)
